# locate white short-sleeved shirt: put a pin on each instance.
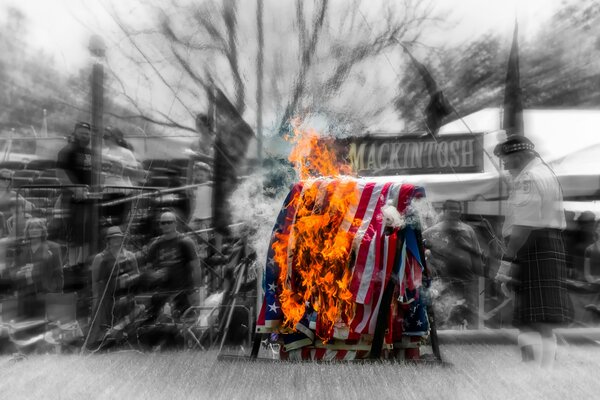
(114, 160)
(535, 199)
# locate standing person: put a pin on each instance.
(584, 236)
(38, 267)
(591, 260)
(119, 165)
(74, 164)
(534, 258)
(74, 161)
(455, 257)
(120, 170)
(173, 266)
(113, 271)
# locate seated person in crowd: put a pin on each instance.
(172, 268)
(37, 269)
(114, 272)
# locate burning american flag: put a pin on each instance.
(333, 254)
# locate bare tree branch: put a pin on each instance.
(230, 19)
(121, 25)
(307, 55)
(188, 44)
(166, 122)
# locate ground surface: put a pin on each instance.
(478, 371)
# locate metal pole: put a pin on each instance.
(259, 73)
(98, 50)
(259, 125)
(97, 123)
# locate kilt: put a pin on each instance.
(541, 294)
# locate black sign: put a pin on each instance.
(406, 155)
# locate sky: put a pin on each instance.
(63, 27)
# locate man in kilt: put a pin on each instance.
(534, 259)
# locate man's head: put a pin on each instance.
(114, 237)
(168, 222)
(35, 228)
(5, 178)
(452, 210)
(108, 134)
(202, 172)
(82, 133)
(515, 152)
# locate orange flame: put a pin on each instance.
(313, 157)
(314, 254)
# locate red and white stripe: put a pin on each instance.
(367, 236)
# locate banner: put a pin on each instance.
(407, 155)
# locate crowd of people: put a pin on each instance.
(531, 261)
(122, 283)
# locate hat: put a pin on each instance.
(6, 174)
(114, 231)
(202, 165)
(513, 144)
(81, 124)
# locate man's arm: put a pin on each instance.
(194, 262)
(518, 237)
(63, 172)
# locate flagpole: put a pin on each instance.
(259, 128)
(513, 97)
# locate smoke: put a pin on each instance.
(256, 204)
(421, 213)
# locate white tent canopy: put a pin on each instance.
(568, 140)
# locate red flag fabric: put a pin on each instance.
(513, 99)
(231, 144)
(371, 266)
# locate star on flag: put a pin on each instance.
(272, 287)
(273, 307)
